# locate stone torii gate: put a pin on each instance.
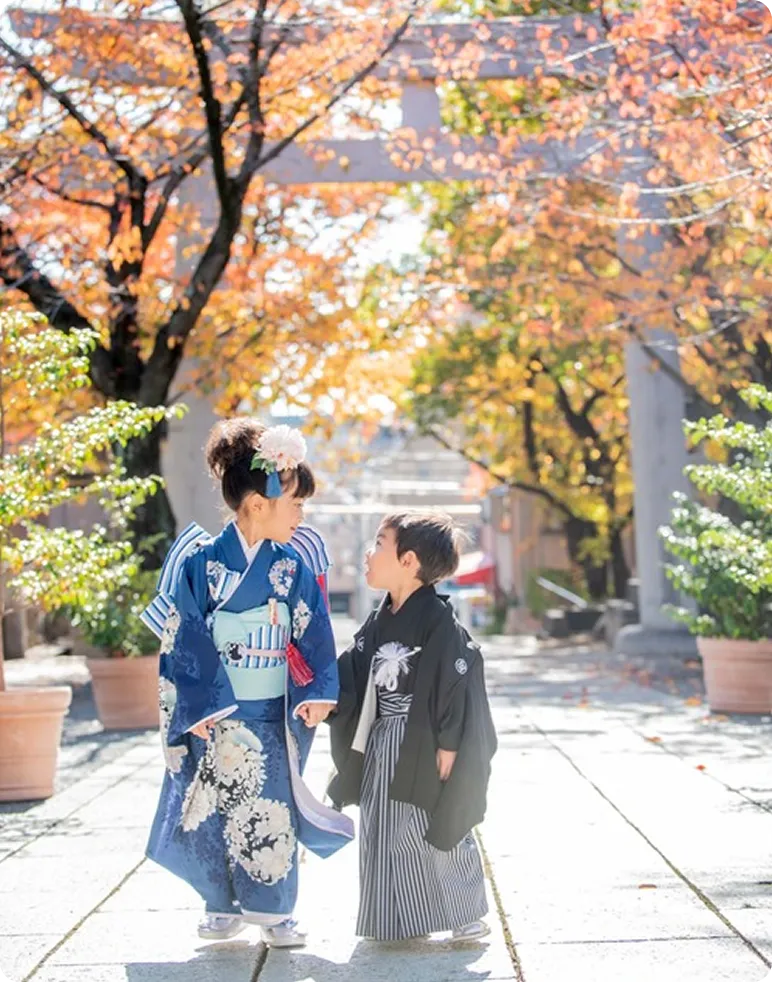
(657, 401)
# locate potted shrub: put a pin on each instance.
(725, 563)
(55, 450)
(124, 674)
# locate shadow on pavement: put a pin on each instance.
(231, 961)
(381, 962)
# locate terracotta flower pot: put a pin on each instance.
(738, 674)
(30, 731)
(126, 691)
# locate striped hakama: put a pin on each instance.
(408, 888)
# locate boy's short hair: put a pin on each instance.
(435, 539)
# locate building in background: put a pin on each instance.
(399, 470)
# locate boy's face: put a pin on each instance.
(384, 570)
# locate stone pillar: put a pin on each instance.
(195, 497)
(420, 105)
(657, 411)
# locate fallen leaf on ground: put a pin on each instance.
(700, 767)
(654, 739)
(693, 701)
(647, 886)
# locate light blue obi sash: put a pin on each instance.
(253, 651)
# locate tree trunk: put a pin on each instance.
(620, 571)
(577, 531)
(153, 527)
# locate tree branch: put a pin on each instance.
(489, 469)
(70, 198)
(89, 128)
(18, 272)
(344, 90)
(212, 107)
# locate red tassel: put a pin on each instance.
(298, 666)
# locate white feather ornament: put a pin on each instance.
(391, 661)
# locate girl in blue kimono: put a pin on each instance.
(248, 670)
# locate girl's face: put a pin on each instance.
(281, 516)
(274, 518)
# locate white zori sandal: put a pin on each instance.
(219, 927)
(470, 932)
(284, 935)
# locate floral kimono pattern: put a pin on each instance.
(233, 810)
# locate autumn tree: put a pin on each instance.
(664, 109)
(504, 373)
(48, 464)
(647, 208)
(119, 125)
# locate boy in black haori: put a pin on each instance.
(412, 742)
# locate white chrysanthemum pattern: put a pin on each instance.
(214, 573)
(301, 618)
(199, 804)
(282, 575)
(167, 699)
(169, 633)
(239, 763)
(261, 839)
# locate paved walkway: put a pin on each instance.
(628, 840)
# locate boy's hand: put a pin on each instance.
(445, 761)
(313, 713)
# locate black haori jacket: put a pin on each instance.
(449, 709)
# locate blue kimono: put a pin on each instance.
(234, 809)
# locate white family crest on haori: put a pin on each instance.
(461, 666)
(283, 446)
(281, 576)
(391, 661)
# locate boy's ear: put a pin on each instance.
(410, 561)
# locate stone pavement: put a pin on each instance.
(628, 840)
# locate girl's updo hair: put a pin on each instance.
(229, 452)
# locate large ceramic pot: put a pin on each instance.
(738, 674)
(30, 730)
(126, 691)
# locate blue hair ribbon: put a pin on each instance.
(273, 488)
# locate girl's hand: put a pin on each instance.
(445, 761)
(202, 730)
(313, 713)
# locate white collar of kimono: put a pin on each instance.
(249, 551)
